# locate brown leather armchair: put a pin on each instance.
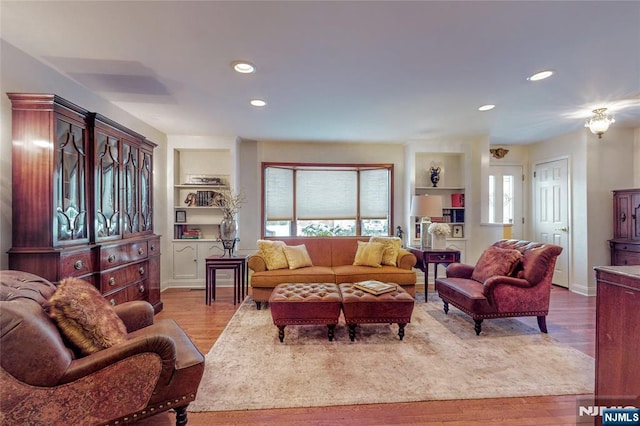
(156, 369)
(522, 291)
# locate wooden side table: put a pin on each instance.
(436, 257)
(239, 266)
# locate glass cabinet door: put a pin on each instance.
(146, 211)
(107, 182)
(70, 190)
(131, 201)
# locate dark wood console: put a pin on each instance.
(625, 245)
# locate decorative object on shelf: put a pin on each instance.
(439, 233)
(400, 233)
(457, 231)
(435, 175)
(600, 122)
(191, 200)
(181, 216)
(426, 207)
(203, 180)
(499, 152)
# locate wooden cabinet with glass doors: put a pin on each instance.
(82, 199)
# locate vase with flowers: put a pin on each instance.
(439, 232)
(229, 202)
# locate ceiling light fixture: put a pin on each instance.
(258, 102)
(243, 67)
(540, 75)
(600, 122)
(487, 107)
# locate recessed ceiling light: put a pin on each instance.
(244, 67)
(540, 75)
(487, 107)
(258, 102)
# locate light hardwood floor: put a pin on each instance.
(571, 320)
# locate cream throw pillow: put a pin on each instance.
(297, 256)
(273, 254)
(392, 246)
(369, 254)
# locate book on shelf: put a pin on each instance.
(375, 287)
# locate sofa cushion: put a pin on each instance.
(297, 256)
(273, 254)
(368, 254)
(496, 261)
(392, 246)
(85, 317)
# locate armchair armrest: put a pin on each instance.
(135, 315)
(163, 346)
(459, 270)
(406, 259)
(491, 283)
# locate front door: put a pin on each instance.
(551, 212)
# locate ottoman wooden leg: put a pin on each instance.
(446, 307)
(352, 331)
(401, 330)
(331, 328)
(281, 332)
(478, 326)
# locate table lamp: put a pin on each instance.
(426, 207)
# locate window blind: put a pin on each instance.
(326, 194)
(374, 194)
(278, 194)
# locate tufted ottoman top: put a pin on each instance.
(303, 292)
(361, 307)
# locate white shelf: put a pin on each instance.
(438, 188)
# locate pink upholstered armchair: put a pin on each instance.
(512, 278)
(44, 381)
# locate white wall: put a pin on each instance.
(22, 73)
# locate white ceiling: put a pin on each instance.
(387, 71)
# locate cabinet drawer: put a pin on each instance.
(114, 255)
(154, 247)
(133, 292)
(118, 278)
(441, 257)
(76, 264)
(622, 258)
(626, 247)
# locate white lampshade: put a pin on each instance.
(426, 206)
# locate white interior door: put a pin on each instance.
(551, 217)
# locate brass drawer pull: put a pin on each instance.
(112, 302)
(112, 281)
(141, 288)
(153, 247)
(140, 251)
(141, 270)
(111, 258)
(78, 265)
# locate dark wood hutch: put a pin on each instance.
(83, 199)
(625, 245)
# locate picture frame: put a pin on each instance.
(181, 216)
(457, 231)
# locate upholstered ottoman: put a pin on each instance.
(360, 307)
(302, 303)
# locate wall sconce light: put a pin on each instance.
(600, 122)
(498, 152)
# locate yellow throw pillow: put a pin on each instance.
(273, 254)
(392, 246)
(297, 256)
(369, 254)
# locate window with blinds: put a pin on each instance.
(323, 200)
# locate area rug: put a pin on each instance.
(440, 358)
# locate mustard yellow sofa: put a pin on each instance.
(332, 259)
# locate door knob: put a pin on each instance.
(563, 229)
